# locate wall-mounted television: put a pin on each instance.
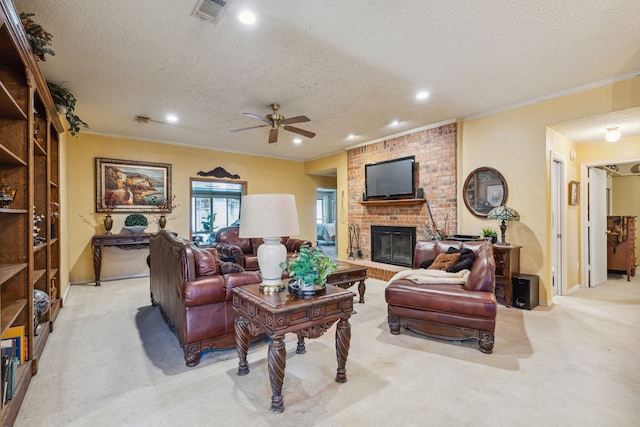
(391, 179)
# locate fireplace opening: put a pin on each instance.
(393, 245)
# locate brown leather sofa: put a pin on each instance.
(193, 297)
(447, 311)
(243, 251)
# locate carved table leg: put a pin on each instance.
(97, 263)
(242, 344)
(361, 290)
(301, 348)
(277, 363)
(343, 341)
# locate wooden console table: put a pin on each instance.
(278, 313)
(122, 241)
(507, 265)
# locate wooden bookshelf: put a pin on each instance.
(29, 160)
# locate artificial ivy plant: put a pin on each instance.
(39, 39)
(65, 103)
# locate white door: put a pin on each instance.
(597, 223)
(557, 232)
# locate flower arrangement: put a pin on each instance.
(310, 266)
(111, 202)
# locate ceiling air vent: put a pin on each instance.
(210, 9)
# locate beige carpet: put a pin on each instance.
(111, 361)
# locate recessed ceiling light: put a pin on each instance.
(612, 134)
(351, 136)
(172, 118)
(394, 123)
(422, 95)
(297, 141)
(247, 17)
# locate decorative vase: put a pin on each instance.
(108, 223)
(41, 304)
(162, 222)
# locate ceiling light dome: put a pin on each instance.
(247, 17)
(612, 134)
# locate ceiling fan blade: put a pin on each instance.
(300, 131)
(255, 116)
(298, 119)
(273, 135)
(251, 127)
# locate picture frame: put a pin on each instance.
(495, 194)
(128, 186)
(574, 192)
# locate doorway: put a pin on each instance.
(598, 193)
(326, 220)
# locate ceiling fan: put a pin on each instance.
(277, 121)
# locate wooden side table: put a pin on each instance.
(507, 265)
(122, 241)
(348, 275)
(279, 313)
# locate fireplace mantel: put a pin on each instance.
(393, 202)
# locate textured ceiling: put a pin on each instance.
(350, 66)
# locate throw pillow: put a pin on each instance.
(443, 261)
(206, 262)
(461, 264)
(426, 263)
(230, 267)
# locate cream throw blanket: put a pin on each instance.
(423, 276)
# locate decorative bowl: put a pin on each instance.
(134, 229)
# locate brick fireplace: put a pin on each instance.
(435, 153)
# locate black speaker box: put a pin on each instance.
(420, 194)
(525, 291)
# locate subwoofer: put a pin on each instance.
(525, 291)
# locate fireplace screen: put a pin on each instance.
(393, 245)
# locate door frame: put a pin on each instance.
(558, 193)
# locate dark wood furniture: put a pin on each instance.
(621, 244)
(279, 313)
(507, 265)
(121, 241)
(29, 161)
(348, 275)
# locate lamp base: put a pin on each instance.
(269, 288)
(270, 254)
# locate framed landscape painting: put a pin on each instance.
(127, 186)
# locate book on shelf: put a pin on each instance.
(17, 335)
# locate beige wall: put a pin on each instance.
(625, 195)
(263, 175)
(515, 143)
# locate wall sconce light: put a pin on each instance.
(612, 134)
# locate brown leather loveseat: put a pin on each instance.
(194, 297)
(447, 311)
(244, 251)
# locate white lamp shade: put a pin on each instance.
(268, 215)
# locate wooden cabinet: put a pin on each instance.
(507, 259)
(29, 150)
(621, 244)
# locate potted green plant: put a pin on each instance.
(136, 223)
(310, 268)
(65, 102)
(490, 233)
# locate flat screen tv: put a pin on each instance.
(391, 179)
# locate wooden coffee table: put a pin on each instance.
(348, 275)
(279, 313)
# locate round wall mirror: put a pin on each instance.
(484, 189)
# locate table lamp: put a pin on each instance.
(270, 217)
(503, 213)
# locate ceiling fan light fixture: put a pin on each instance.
(612, 134)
